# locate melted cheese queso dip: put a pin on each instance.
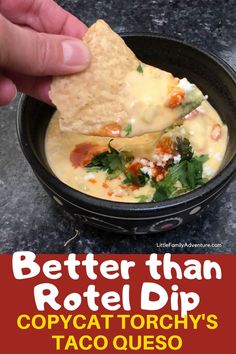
(151, 167)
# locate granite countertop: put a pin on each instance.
(29, 220)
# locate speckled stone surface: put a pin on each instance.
(29, 220)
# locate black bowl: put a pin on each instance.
(213, 76)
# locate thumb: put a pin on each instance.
(40, 54)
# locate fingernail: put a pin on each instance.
(15, 94)
(76, 54)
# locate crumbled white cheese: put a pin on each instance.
(158, 160)
(185, 85)
(144, 162)
(218, 156)
(151, 164)
(89, 176)
(188, 116)
(162, 159)
(208, 171)
(82, 186)
(177, 158)
(206, 97)
(200, 109)
(191, 114)
(118, 192)
(166, 157)
(146, 170)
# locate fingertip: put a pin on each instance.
(8, 91)
(39, 88)
(42, 91)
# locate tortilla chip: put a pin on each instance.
(90, 100)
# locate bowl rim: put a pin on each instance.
(221, 179)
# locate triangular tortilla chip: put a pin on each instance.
(118, 95)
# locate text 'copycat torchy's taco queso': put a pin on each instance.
(132, 132)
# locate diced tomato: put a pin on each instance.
(118, 195)
(84, 152)
(92, 180)
(176, 97)
(159, 173)
(216, 132)
(134, 187)
(105, 184)
(165, 146)
(109, 193)
(158, 170)
(113, 130)
(160, 177)
(134, 168)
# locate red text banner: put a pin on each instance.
(117, 303)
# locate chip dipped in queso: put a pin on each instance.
(129, 132)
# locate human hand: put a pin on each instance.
(38, 39)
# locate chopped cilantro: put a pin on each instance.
(181, 178)
(142, 198)
(139, 180)
(128, 179)
(192, 101)
(112, 161)
(113, 175)
(184, 148)
(140, 69)
(93, 169)
(128, 129)
(187, 172)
